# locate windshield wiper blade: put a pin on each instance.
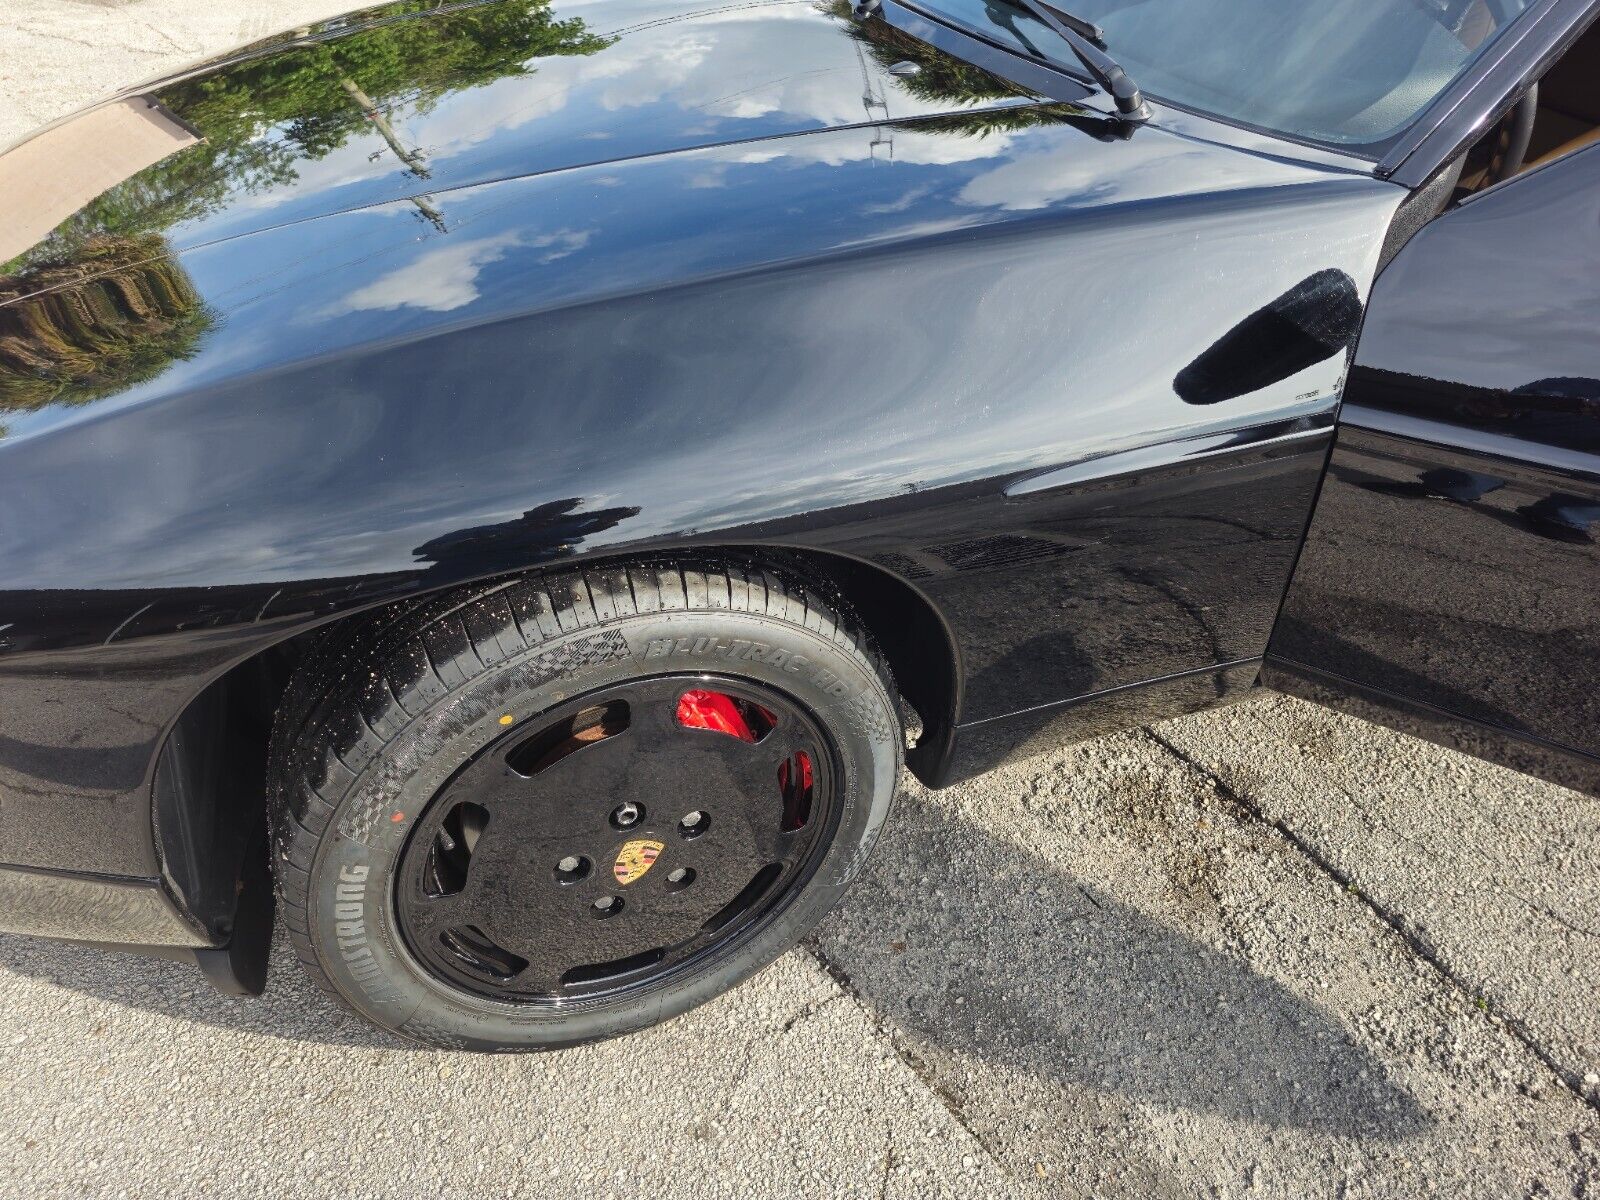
(1079, 25)
(1087, 41)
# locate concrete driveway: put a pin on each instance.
(1261, 952)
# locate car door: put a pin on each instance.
(1448, 583)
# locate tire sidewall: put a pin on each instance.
(352, 923)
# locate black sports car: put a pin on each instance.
(525, 478)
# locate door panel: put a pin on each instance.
(1450, 581)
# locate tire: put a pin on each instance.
(404, 725)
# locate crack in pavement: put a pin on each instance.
(54, 36)
(912, 1061)
(809, 1011)
(806, 1012)
(1396, 924)
(1376, 823)
(177, 46)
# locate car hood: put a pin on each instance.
(408, 100)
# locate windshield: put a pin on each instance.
(1353, 73)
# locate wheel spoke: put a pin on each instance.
(437, 913)
(771, 844)
(496, 787)
(738, 897)
(655, 718)
(542, 978)
(590, 750)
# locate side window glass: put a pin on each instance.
(1559, 116)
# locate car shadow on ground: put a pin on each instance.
(968, 946)
(971, 948)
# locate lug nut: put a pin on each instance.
(572, 868)
(694, 824)
(626, 814)
(680, 878)
(606, 906)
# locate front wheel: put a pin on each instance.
(533, 814)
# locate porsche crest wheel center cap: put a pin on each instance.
(532, 875)
(636, 858)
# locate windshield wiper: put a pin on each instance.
(1087, 42)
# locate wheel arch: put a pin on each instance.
(208, 790)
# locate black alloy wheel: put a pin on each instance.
(616, 839)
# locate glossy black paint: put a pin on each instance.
(655, 293)
(990, 744)
(1449, 575)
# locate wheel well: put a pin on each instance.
(209, 792)
(908, 629)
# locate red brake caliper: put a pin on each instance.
(714, 710)
(805, 772)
